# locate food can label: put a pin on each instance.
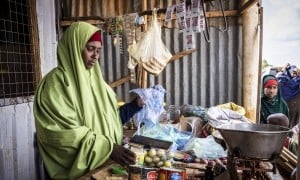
(172, 174)
(151, 175)
(175, 176)
(135, 172)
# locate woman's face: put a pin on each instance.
(271, 91)
(91, 53)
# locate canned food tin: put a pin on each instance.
(137, 172)
(150, 173)
(172, 174)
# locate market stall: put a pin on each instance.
(196, 149)
(193, 142)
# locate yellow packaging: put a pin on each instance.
(139, 151)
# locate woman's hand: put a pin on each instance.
(139, 101)
(122, 155)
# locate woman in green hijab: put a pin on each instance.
(271, 101)
(76, 114)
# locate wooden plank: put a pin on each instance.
(285, 165)
(181, 54)
(143, 80)
(120, 81)
(209, 14)
(212, 14)
(69, 22)
(289, 156)
(247, 5)
(99, 20)
(90, 19)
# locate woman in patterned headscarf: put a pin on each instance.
(76, 114)
(271, 101)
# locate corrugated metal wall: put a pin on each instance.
(207, 77)
(17, 158)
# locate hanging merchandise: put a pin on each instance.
(129, 31)
(197, 22)
(129, 26)
(189, 34)
(201, 17)
(205, 22)
(190, 40)
(188, 19)
(150, 51)
(181, 13)
(168, 17)
(195, 6)
(115, 28)
(139, 27)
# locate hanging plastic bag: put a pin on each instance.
(150, 51)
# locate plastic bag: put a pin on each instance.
(192, 110)
(191, 124)
(217, 116)
(153, 108)
(150, 51)
(233, 107)
(206, 148)
(166, 132)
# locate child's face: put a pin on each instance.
(271, 91)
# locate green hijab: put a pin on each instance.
(271, 106)
(76, 113)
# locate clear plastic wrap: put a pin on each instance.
(150, 51)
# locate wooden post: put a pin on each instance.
(251, 61)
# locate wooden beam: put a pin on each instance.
(128, 77)
(212, 14)
(120, 81)
(163, 10)
(181, 54)
(247, 5)
(95, 20)
(209, 14)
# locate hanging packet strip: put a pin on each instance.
(195, 6)
(188, 20)
(190, 40)
(180, 9)
(181, 17)
(168, 17)
(197, 16)
(189, 34)
(201, 18)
